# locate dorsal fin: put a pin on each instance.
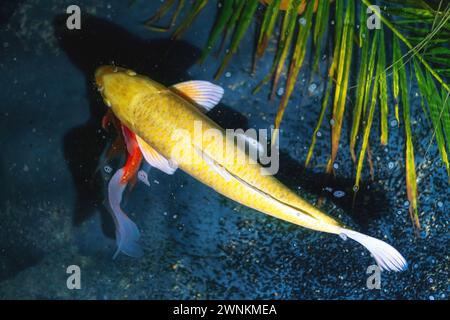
(203, 93)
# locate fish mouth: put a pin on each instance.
(101, 72)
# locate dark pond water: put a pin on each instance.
(197, 244)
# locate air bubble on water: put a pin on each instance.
(343, 236)
(431, 298)
(332, 122)
(302, 21)
(336, 165)
(406, 203)
(227, 74)
(312, 87)
(319, 134)
(175, 216)
(26, 168)
(338, 194)
(440, 204)
(107, 169)
(280, 91)
(332, 22)
(391, 165)
(143, 177)
(355, 188)
(393, 123)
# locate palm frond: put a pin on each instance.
(343, 72)
(411, 180)
(296, 64)
(244, 22)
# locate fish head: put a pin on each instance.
(121, 87)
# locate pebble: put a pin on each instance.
(338, 194)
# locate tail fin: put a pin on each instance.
(127, 233)
(387, 257)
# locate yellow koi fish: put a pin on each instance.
(172, 131)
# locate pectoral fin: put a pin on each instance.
(155, 159)
(205, 94)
